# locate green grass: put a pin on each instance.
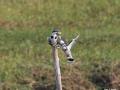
(24, 50)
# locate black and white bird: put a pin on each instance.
(56, 40)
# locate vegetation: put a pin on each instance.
(25, 60)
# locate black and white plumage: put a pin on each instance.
(55, 40)
(66, 50)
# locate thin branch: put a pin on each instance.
(73, 42)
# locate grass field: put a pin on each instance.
(25, 56)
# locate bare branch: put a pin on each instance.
(73, 42)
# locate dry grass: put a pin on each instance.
(25, 60)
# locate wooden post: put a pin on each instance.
(57, 68)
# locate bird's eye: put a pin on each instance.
(55, 37)
(51, 36)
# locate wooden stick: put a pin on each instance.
(73, 42)
(57, 68)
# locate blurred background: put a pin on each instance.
(25, 56)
